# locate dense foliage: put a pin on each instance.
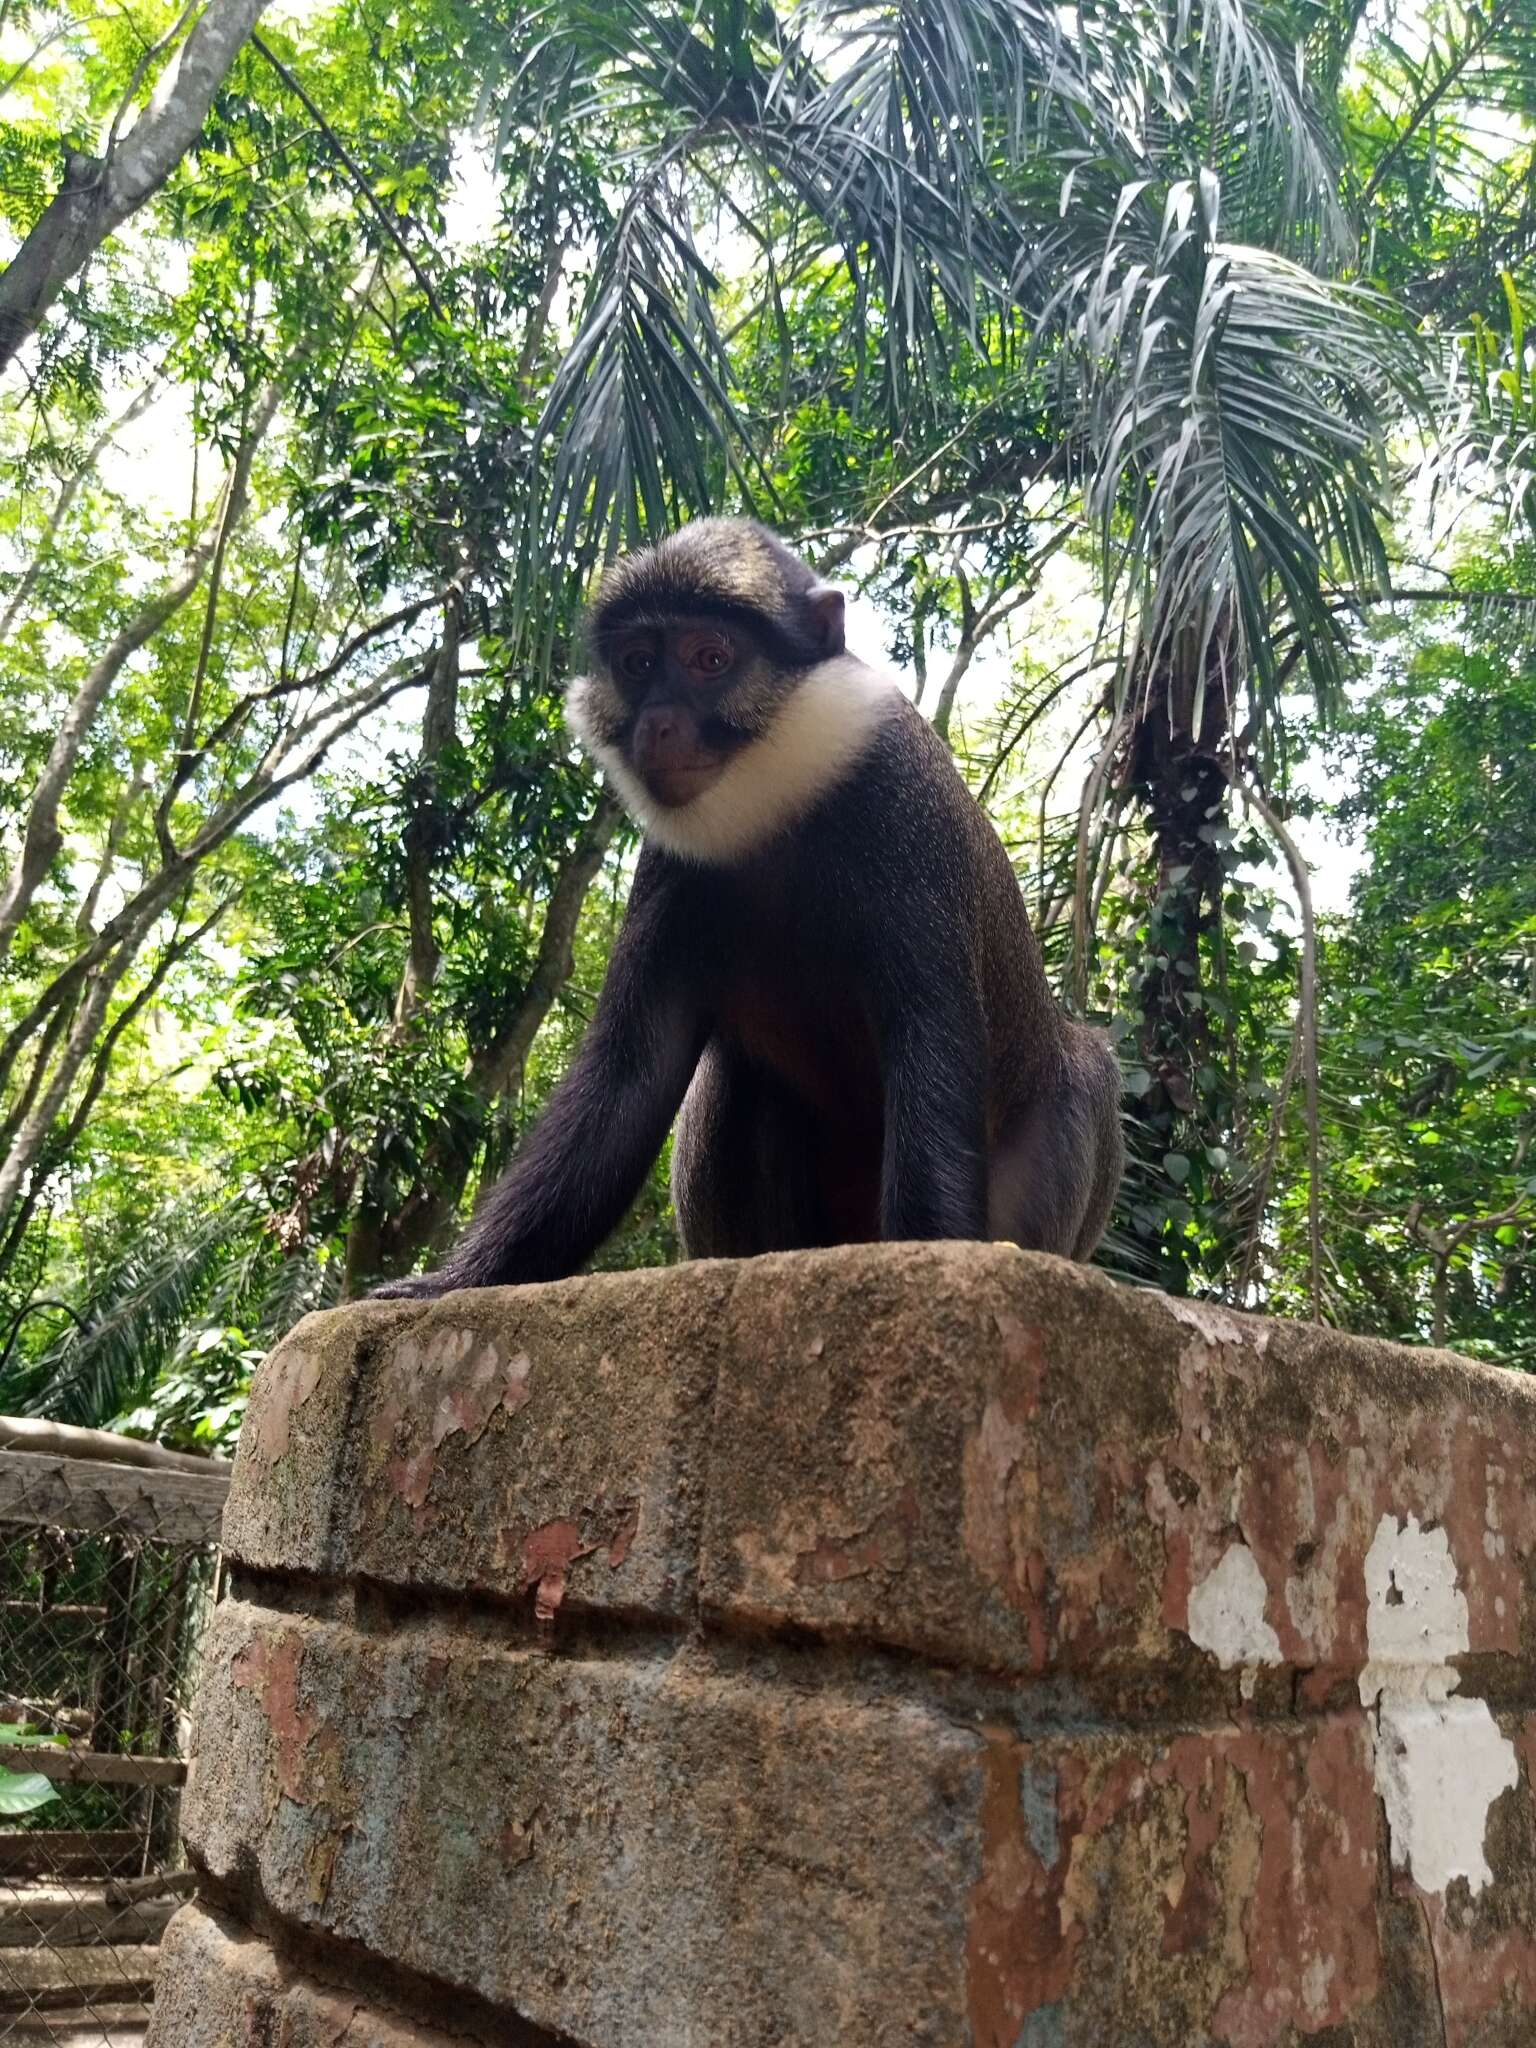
(1161, 379)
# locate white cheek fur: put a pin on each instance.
(816, 739)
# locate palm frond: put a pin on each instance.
(1487, 448)
(910, 143)
(640, 419)
(193, 1270)
(130, 1325)
(290, 1288)
(1231, 412)
(1252, 119)
(1227, 407)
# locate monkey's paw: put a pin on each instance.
(414, 1287)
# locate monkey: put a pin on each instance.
(825, 974)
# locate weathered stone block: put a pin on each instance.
(509, 1441)
(924, 1644)
(1008, 1462)
(219, 1986)
(555, 1833)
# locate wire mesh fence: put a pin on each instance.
(108, 1573)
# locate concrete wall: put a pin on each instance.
(895, 1645)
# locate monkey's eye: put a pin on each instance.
(707, 654)
(638, 664)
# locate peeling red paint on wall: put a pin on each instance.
(1135, 1848)
(1525, 1749)
(548, 1554)
(1001, 1493)
(541, 1557)
(1019, 1950)
(622, 1538)
(1022, 1357)
(472, 1397)
(320, 1865)
(1309, 1510)
(1313, 1942)
(447, 1383)
(517, 1841)
(1273, 1842)
(287, 1380)
(269, 1666)
(882, 1545)
(1193, 1910)
(1478, 1971)
(411, 1478)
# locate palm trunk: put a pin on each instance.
(1176, 767)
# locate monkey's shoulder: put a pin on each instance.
(904, 797)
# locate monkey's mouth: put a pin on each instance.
(678, 782)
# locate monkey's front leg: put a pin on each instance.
(934, 1168)
(585, 1159)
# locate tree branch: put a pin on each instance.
(98, 195)
(42, 837)
(258, 790)
(66, 497)
(1473, 49)
(438, 720)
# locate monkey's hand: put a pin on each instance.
(416, 1287)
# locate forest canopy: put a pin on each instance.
(1155, 379)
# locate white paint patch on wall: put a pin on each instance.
(1440, 1762)
(1226, 1612)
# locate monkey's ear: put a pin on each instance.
(826, 608)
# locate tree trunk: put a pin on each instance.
(42, 837)
(98, 195)
(423, 831)
(1177, 772)
(498, 1064)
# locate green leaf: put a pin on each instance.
(24, 1792)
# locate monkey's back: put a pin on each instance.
(891, 899)
(1053, 1086)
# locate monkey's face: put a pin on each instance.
(691, 689)
(719, 696)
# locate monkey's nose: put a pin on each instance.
(659, 737)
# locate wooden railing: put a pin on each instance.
(108, 1570)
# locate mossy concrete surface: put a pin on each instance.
(900, 1644)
